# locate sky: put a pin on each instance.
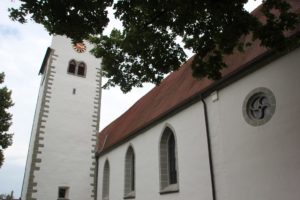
(22, 49)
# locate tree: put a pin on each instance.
(148, 46)
(5, 118)
(7, 196)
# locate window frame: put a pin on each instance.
(67, 191)
(172, 160)
(166, 185)
(105, 181)
(73, 65)
(78, 65)
(84, 69)
(129, 179)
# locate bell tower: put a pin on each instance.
(60, 163)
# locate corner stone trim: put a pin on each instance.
(95, 125)
(42, 119)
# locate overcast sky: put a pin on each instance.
(22, 49)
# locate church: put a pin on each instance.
(232, 139)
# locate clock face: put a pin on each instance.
(79, 47)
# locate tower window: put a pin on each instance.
(63, 193)
(72, 67)
(81, 69)
(77, 68)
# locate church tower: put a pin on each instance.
(60, 163)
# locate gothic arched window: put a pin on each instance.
(129, 189)
(105, 182)
(172, 160)
(168, 162)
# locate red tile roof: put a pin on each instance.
(175, 90)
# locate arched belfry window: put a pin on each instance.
(168, 162)
(81, 69)
(105, 182)
(129, 187)
(72, 67)
(77, 68)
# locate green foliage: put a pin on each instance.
(5, 118)
(149, 46)
(76, 19)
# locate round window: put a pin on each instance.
(259, 106)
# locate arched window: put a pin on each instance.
(81, 69)
(77, 68)
(72, 67)
(129, 189)
(168, 163)
(172, 160)
(105, 182)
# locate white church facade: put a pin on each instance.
(237, 138)
(238, 141)
(233, 139)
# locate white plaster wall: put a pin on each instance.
(32, 138)
(69, 129)
(263, 162)
(250, 163)
(193, 168)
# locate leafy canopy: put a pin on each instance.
(155, 33)
(5, 118)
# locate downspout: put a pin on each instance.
(210, 156)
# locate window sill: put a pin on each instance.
(76, 74)
(170, 189)
(130, 195)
